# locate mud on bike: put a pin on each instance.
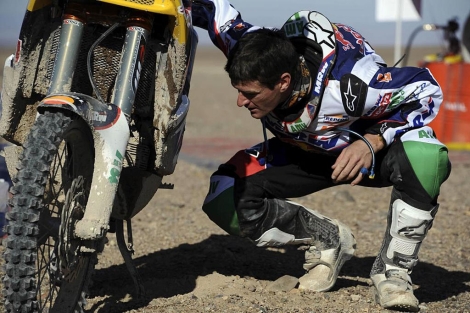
(94, 104)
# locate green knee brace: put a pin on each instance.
(431, 171)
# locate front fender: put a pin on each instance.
(110, 131)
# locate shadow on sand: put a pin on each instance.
(171, 272)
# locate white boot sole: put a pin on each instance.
(323, 276)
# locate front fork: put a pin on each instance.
(110, 141)
(67, 54)
(132, 58)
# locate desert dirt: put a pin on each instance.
(188, 265)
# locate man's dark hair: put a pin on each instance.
(262, 55)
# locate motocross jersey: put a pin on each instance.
(362, 94)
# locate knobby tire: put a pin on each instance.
(44, 268)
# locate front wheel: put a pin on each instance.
(45, 271)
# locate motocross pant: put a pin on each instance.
(248, 195)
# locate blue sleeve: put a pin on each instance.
(222, 21)
(410, 94)
(396, 100)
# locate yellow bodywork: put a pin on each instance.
(167, 7)
(34, 5)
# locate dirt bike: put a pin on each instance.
(94, 104)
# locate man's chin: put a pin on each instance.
(258, 115)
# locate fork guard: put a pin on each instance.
(110, 131)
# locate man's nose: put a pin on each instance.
(242, 100)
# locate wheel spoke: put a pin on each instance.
(46, 280)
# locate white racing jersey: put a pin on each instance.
(362, 94)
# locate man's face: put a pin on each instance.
(258, 98)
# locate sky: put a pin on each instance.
(359, 14)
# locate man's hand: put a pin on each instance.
(356, 156)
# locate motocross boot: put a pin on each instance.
(407, 227)
(329, 244)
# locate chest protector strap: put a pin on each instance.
(311, 29)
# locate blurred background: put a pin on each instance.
(364, 17)
(359, 14)
(427, 29)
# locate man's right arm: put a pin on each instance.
(222, 21)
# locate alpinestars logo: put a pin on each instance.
(321, 35)
(353, 94)
(350, 97)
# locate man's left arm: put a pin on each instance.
(408, 98)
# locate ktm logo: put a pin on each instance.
(384, 78)
(239, 27)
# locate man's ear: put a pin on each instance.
(285, 82)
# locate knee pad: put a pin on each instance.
(219, 204)
(428, 158)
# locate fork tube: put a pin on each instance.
(67, 54)
(132, 59)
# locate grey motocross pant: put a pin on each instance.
(247, 197)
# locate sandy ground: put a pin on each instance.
(188, 264)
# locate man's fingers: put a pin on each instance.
(358, 179)
(348, 172)
(342, 173)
